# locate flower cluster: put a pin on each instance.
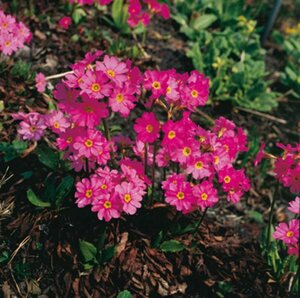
(139, 11)
(289, 233)
(198, 162)
(287, 166)
(91, 2)
(13, 34)
(139, 16)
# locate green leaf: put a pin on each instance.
(124, 294)
(33, 199)
(63, 189)
(171, 246)
(118, 14)
(258, 217)
(204, 21)
(108, 253)
(88, 250)
(78, 14)
(47, 157)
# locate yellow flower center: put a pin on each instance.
(4, 25)
(8, 43)
(104, 186)
(107, 204)
(96, 87)
(127, 198)
(290, 234)
(89, 109)
(119, 97)
(226, 148)
(88, 143)
(204, 196)
(186, 151)
(156, 85)
(149, 128)
(194, 93)
(169, 90)
(32, 128)
(88, 193)
(111, 73)
(56, 124)
(69, 140)
(180, 195)
(199, 165)
(202, 139)
(216, 160)
(227, 179)
(171, 134)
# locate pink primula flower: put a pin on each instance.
(65, 22)
(107, 208)
(288, 233)
(114, 69)
(295, 206)
(40, 82)
(205, 194)
(130, 196)
(87, 190)
(57, 121)
(147, 128)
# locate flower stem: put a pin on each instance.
(271, 217)
(200, 222)
(153, 172)
(108, 137)
(146, 158)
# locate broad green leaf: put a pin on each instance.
(124, 294)
(47, 157)
(204, 21)
(171, 246)
(88, 250)
(108, 253)
(63, 189)
(258, 217)
(33, 199)
(78, 14)
(117, 12)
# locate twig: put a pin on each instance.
(59, 75)
(25, 240)
(260, 114)
(199, 222)
(204, 115)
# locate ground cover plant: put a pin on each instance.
(137, 157)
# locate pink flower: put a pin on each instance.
(40, 82)
(130, 196)
(90, 144)
(66, 96)
(89, 112)
(87, 190)
(107, 208)
(65, 22)
(156, 81)
(178, 193)
(200, 166)
(295, 206)
(95, 84)
(288, 233)
(32, 127)
(57, 121)
(122, 100)
(260, 155)
(147, 128)
(294, 249)
(114, 69)
(205, 194)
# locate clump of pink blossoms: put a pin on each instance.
(160, 143)
(13, 34)
(286, 167)
(139, 11)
